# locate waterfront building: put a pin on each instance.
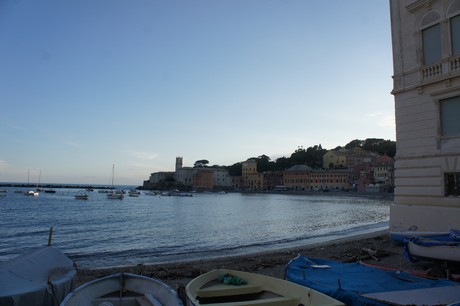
(272, 179)
(426, 89)
(328, 179)
(251, 179)
(297, 177)
(204, 178)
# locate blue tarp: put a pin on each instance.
(346, 282)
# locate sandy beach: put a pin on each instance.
(375, 248)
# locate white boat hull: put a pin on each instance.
(123, 289)
(259, 290)
(439, 252)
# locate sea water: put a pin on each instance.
(100, 232)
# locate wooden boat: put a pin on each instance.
(433, 249)
(41, 277)
(229, 287)
(123, 289)
(358, 285)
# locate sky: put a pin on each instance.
(88, 84)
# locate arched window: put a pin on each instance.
(431, 38)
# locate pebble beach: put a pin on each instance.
(375, 248)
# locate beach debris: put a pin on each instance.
(371, 253)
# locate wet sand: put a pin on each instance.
(376, 248)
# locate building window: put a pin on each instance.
(450, 112)
(432, 51)
(455, 35)
(452, 184)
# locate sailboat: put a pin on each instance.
(31, 193)
(114, 194)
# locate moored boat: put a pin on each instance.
(81, 195)
(31, 193)
(230, 287)
(41, 277)
(355, 284)
(115, 195)
(123, 289)
(134, 193)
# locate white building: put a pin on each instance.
(426, 59)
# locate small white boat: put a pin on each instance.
(32, 193)
(81, 195)
(123, 289)
(134, 193)
(41, 277)
(229, 287)
(115, 195)
(431, 249)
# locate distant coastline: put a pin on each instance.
(56, 186)
(290, 192)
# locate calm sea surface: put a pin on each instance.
(153, 229)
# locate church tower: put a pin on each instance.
(179, 162)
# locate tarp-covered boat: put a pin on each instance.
(232, 288)
(356, 284)
(42, 277)
(123, 289)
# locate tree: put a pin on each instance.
(201, 163)
(354, 143)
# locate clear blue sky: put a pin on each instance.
(90, 83)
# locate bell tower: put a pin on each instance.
(179, 161)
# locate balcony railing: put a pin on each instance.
(442, 68)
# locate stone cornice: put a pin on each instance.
(419, 4)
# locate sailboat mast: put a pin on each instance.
(113, 173)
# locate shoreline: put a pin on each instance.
(373, 248)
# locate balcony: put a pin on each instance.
(445, 68)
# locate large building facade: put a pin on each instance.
(426, 60)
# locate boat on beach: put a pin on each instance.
(41, 277)
(358, 285)
(123, 289)
(435, 249)
(231, 288)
